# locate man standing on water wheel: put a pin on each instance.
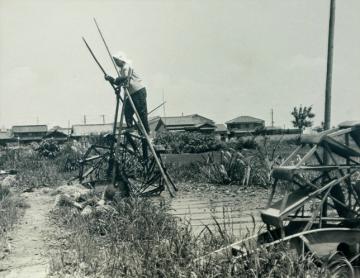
(137, 92)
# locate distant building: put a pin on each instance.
(84, 132)
(6, 137)
(244, 125)
(221, 132)
(64, 130)
(153, 122)
(29, 133)
(78, 131)
(192, 122)
(57, 136)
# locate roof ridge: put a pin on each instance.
(244, 117)
(27, 125)
(92, 124)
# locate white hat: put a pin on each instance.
(122, 57)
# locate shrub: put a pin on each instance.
(241, 143)
(187, 142)
(48, 148)
(229, 169)
(69, 155)
(185, 173)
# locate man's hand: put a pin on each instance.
(120, 81)
(109, 78)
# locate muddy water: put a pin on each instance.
(231, 208)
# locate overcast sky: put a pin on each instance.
(220, 59)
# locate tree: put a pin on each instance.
(302, 117)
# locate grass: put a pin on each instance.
(10, 211)
(33, 169)
(140, 239)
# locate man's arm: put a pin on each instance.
(125, 72)
(116, 81)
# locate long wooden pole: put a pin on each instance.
(107, 48)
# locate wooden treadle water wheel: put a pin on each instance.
(135, 165)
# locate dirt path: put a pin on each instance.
(27, 256)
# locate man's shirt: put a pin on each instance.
(135, 81)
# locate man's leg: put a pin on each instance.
(139, 99)
(129, 112)
(141, 106)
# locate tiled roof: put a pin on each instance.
(93, 129)
(245, 119)
(220, 128)
(29, 128)
(5, 134)
(188, 120)
(64, 130)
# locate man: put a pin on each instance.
(135, 87)
(137, 92)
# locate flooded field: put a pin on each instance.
(231, 208)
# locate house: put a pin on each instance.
(192, 122)
(29, 133)
(84, 131)
(57, 136)
(65, 130)
(221, 132)
(6, 137)
(153, 122)
(244, 125)
(79, 131)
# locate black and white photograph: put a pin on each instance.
(179, 138)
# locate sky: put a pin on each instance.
(219, 59)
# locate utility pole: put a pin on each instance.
(103, 118)
(272, 117)
(84, 119)
(327, 118)
(68, 131)
(163, 99)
